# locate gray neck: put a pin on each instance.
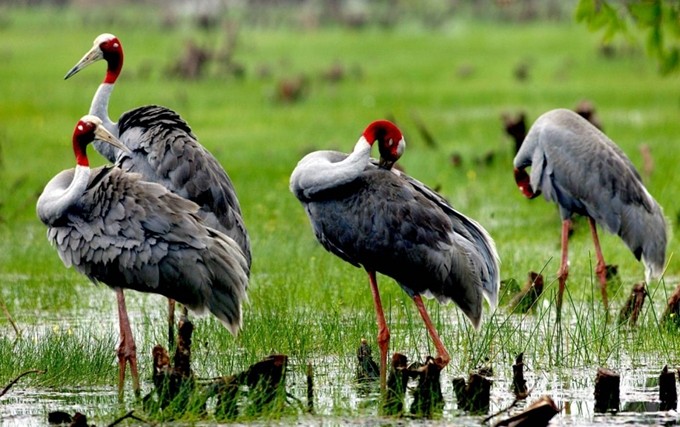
(316, 172)
(59, 194)
(100, 108)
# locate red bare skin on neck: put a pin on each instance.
(524, 183)
(83, 134)
(113, 54)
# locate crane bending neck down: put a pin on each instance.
(59, 197)
(107, 47)
(318, 171)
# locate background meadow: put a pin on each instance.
(456, 70)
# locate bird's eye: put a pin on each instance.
(80, 127)
(115, 45)
(390, 142)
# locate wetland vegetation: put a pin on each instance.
(458, 77)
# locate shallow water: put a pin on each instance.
(338, 399)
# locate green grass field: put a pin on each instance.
(304, 302)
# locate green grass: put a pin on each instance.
(305, 302)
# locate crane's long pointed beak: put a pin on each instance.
(104, 135)
(92, 56)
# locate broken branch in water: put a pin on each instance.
(15, 380)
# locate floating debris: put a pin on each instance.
(538, 414)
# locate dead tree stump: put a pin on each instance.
(427, 397)
(668, 394)
(537, 414)
(525, 300)
(367, 368)
(176, 387)
(265, 383)
(671, 316)
(397, 380)
(607, 383)
(633, 306)
(475, 396)
(519, 384)
(174, 383)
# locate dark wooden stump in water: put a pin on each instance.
(170, 381)
(397, 380)
(668, 394)
(525, 300)
(633, 306)
(519, 384)
(367, 369)
(265, 381)
(475, 396)
(607, 385)
(537, 414)
(427, 397)
(671, 316)
(176, 386)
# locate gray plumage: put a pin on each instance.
(578, 167)
(391, 223)
(129, 233)
(165, 151)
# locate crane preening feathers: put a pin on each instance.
(118, 229)
(162, 148)
(578, 167)
(372, 215)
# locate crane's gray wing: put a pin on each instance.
(138, 235)
(584, 172)
(384, 224)
(165, 151)
(482, 252)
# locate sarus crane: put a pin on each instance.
(370, 214)
(118, 229)
(578, 167)
(163, 149)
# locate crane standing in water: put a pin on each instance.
(115, 228)
(374, 216)
(578, 167)
(163, 149)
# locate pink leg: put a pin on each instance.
(383, 331)
(127, 351)
(563, 272)
(601, 268)
(443, 357)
